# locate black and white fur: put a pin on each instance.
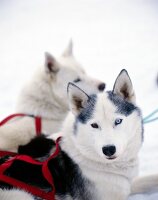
(45, 95)
(102, 135)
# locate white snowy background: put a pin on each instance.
(107, 35)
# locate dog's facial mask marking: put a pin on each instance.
(81, 104)
(77, 98)
(104, 124)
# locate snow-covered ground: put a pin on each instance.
(108, 36)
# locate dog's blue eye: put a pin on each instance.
(77, 80)
(94, 125)
(118, 121)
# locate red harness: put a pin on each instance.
(38, 127)
(38, 124)
(28, 188)
(45, 170)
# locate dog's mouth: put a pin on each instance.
(111, 158)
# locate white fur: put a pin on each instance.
(14, 195)
(145, 184)
(45, 95)
(111, 178)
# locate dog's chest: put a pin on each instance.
(107, 186)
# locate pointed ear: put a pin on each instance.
(69, 50)
(78, 99)
(123, 87)
(51, 64)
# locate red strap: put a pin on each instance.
(11, 117)
(21, 185)
(45, 170)
(38, 123)
(28, 188)
(5, 153)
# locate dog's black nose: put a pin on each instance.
(109, 150)
(101, 86)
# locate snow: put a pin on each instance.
(144, 197)
(108, 36)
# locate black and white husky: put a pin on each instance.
(102, 136)
(45, 95)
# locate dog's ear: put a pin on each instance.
(78, 99)
(69, 49)
(124, 88)
(51, 64)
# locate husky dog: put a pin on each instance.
(45, 95)
(98, 158)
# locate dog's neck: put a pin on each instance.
(37, 98)
(108, 181)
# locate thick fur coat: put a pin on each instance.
(45, 95)
(102, 135)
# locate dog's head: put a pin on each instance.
(66, 69)
(107, 126)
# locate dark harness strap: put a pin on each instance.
(45, 170)
(38, 122)
(28, 188)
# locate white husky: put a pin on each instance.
(102, 135)
(45, 95)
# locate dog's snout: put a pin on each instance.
(109, 150)
(101, 86)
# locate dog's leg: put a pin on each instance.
(17, 132)
(145, 184)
